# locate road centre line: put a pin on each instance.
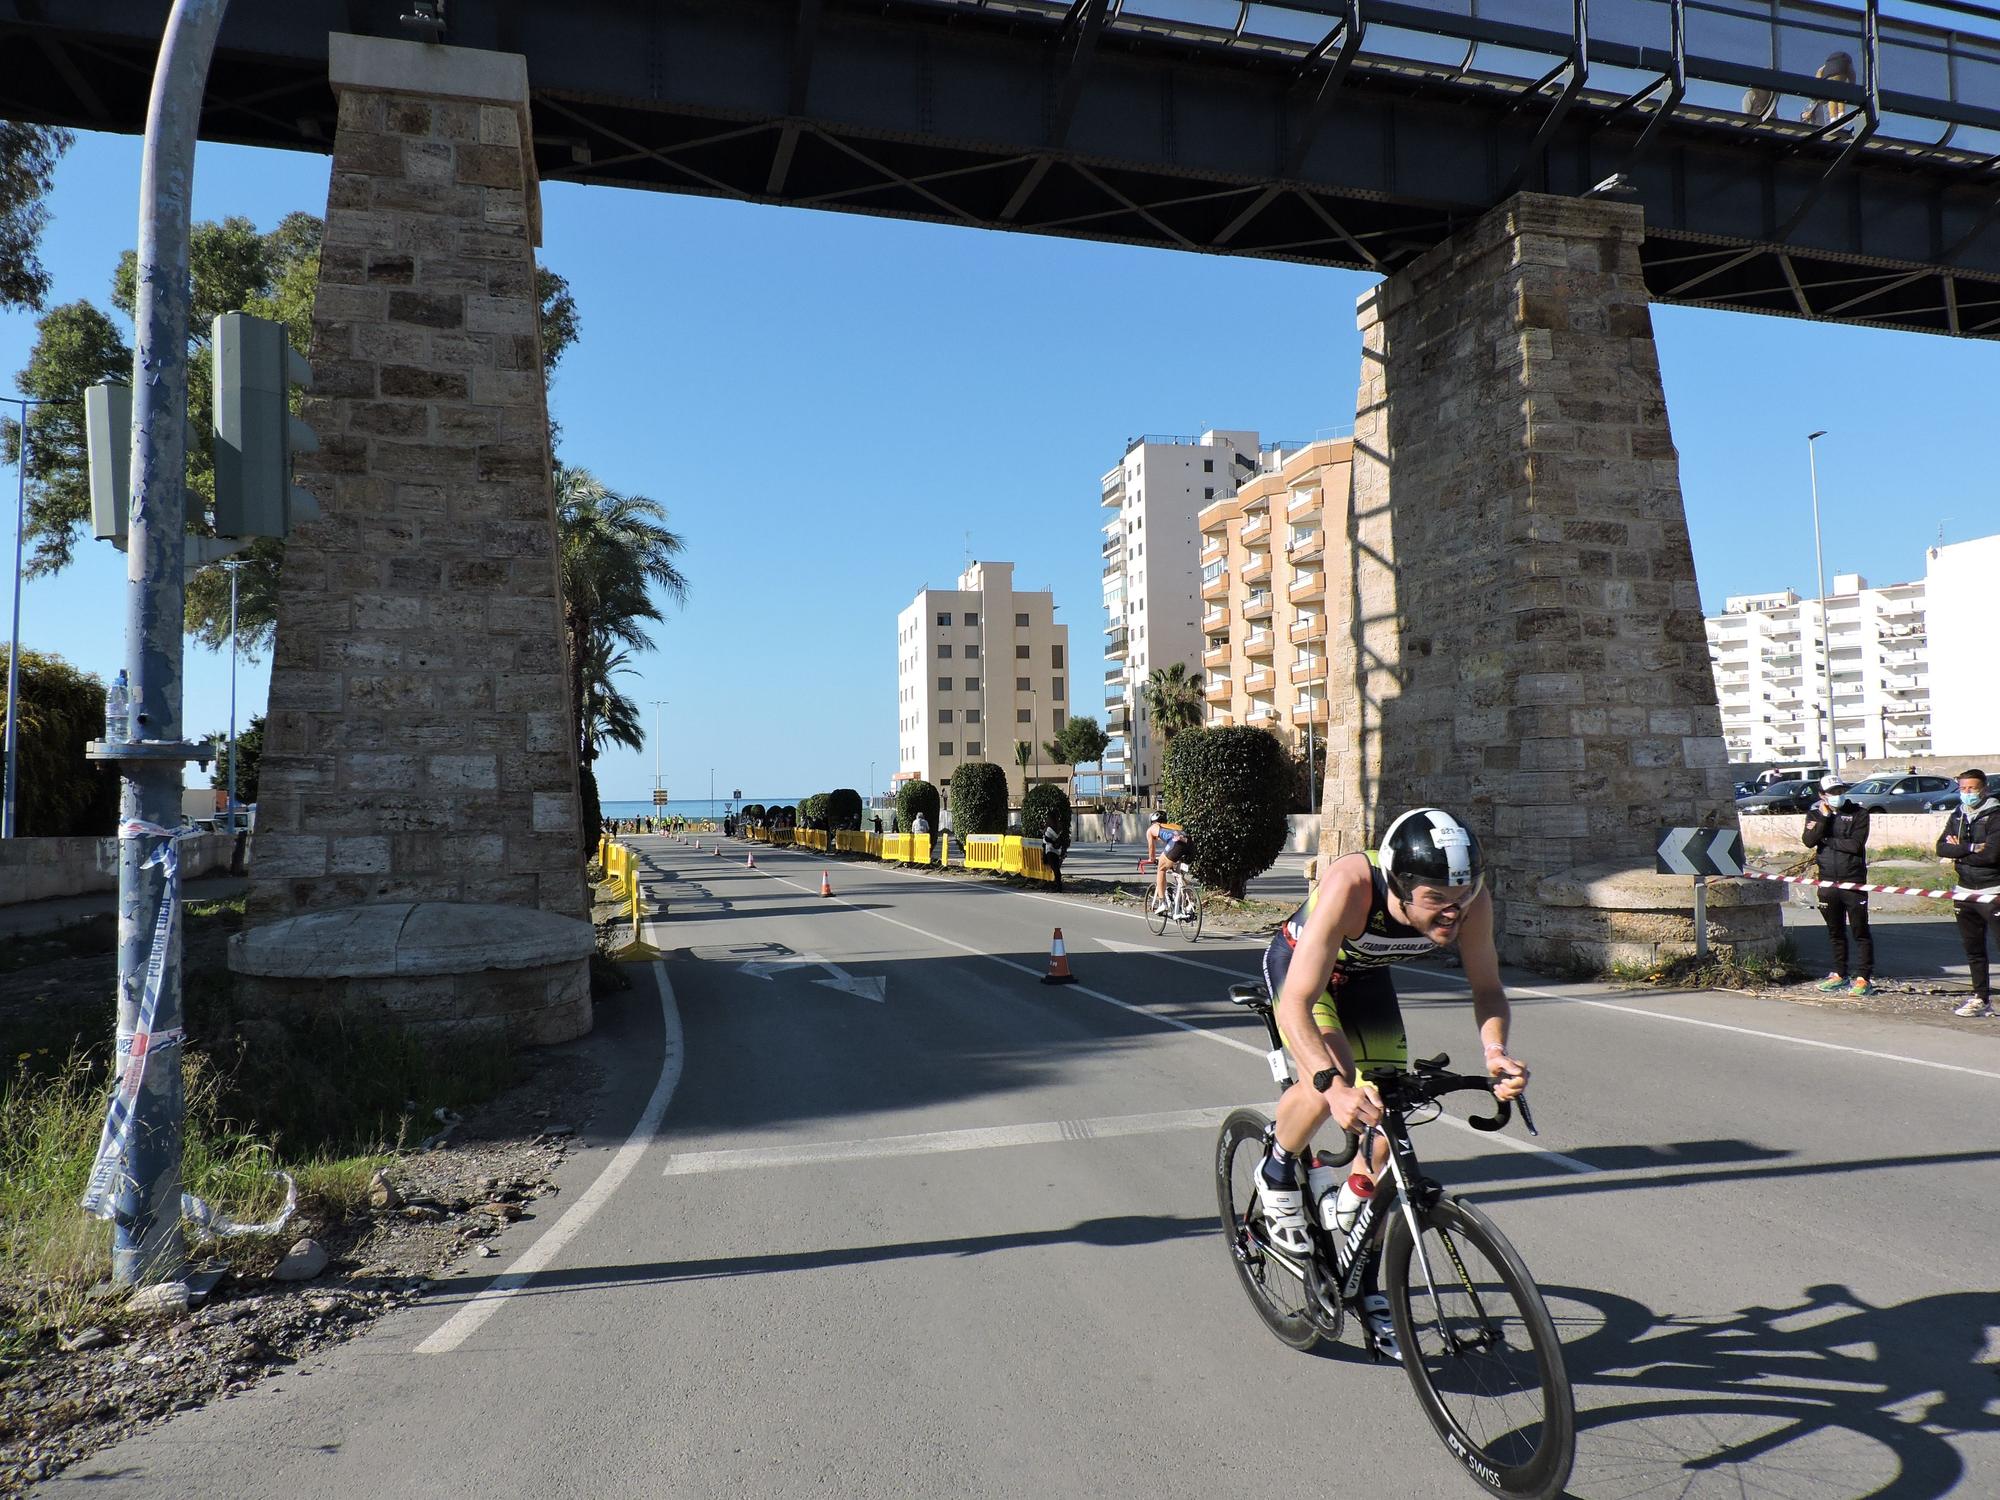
(469, 1318)
(1507, 1142)
(1769, 1036)
(983, 1138)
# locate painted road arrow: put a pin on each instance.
(866, 987)
(1700, 851)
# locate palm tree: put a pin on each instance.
(1172, 697)
(615, 551)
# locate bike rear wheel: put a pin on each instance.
(1484, 1358)
(1191, 903)
(1278, 1295)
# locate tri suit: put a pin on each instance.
(1360, 997)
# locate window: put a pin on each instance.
(1056, 654)
(1208, 466)
(1208, 492)
(944, 684)
(944, 653)
(1021, 622)
(972, 684)
(972, 716)
(1020, 653)
(971, 653)
(1056, 719)
(944, 749)
(944, 716)
(1022, 685)
(972, 747)
(971, 619)
(944, 617)
(1059, 689)
(1024, 716)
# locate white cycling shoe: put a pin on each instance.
(1381, 1327)
(1284, 1216)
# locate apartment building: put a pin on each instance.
(979, 668)
(1151, 592)
(1775, 655)
(1263, 592)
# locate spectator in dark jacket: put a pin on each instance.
(1055, 846)
(1971, 837)
(1838, 836)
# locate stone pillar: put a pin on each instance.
(1516, 633)
(419, 749)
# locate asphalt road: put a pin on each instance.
(960, 1240)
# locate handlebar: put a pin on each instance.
(1428, 1079)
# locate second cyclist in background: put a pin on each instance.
(1167, 843)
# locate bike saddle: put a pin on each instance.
(1253, 995)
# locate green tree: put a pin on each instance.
(249, 760)
(607, 718)
(1081, 741)
(60, 793)
(28, 157)
(913, 797)
(978, 798)
(1044, 805)
(1172, 695)
(615, 550)
(843, 808)
(1228, 788)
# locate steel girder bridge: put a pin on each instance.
(1798, 158)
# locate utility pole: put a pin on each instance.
(7, 829)
(658, 704)
(137, 1179)
(1825, 642)
(232, 567)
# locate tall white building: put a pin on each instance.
(1772, 655)
(1152, 587)
(1962, 586)
(978, 669)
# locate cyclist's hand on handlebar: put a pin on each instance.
(1354, 1107)
(1513, 1075)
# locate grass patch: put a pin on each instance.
(1715, 972)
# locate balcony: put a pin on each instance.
(1115, 567)
(1307, 628)
(1258, 606)
(1216, 587)
(1262, 714)
(1303, 503)
(1216, 658)
(1256, 529)
(1306, 586)
(1309, 711)
(1260, 643)
(1215, 619)
(1257, 568)
(1216, 690)
(1212, 550)
(1118, 720)
(1260, 680)
(1116, 642)
(1308, 668)
(1217, 719)
(1114, 489)
(1305, 548)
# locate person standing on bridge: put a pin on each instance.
(1972, 838)
(1837, 833)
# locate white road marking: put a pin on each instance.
(1567, 1163)
(1770, 1036)
(870, 987)
(1046, 1132)
(469, 1318)
(1117, 946)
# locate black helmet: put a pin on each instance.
(1428, 846)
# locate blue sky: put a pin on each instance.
(829, 404)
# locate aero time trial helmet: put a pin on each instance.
(1428, 846)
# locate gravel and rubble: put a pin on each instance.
(119, 1369)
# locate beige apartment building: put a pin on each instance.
(979, 668)
(1263, 595)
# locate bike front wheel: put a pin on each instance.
(1483, 1354)
(1278, 1295)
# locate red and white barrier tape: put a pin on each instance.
(1950, 893)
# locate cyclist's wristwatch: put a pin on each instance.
(1323, 1079)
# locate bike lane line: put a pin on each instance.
(486, 1302)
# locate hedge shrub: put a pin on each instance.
(842, 807)
(811, 808)
(914, 797)
(753, 812)
(1229, 789)
(61, 794)
(978, 798)
(1042, 806)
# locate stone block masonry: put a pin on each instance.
(419, 746)
(1515, 632)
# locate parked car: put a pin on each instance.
(1781, 797)
(1904, 794)
(1746, 789)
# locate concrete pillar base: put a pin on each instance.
(1598, 915)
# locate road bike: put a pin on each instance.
(1183, 905)
(1477, 1341)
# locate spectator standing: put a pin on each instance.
(1055, 846)
(920, 826)
(944, 838)
(878, 824)
(1971, 838)
(1111, 828)
(1838, 836)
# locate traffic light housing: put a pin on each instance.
(107, 418)
(256, 435)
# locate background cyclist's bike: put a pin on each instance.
(1478, 1343)
(1183, 904)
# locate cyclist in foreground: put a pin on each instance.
(1166, 844)
(1328, 969)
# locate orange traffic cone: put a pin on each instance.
(825, 886)
(716, 852)
(1058, 963)
(750, 860)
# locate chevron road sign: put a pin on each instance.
(1700, 851)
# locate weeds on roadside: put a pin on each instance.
(1686, 971)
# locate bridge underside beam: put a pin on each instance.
(905, 116)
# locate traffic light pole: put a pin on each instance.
(146, 1207)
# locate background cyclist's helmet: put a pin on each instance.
(1428, 846)
(1154, 819)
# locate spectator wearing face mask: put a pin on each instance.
(1838, 836)
(1971, 837)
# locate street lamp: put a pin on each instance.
(658, 704)
(1819, 566)
(14, 646)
